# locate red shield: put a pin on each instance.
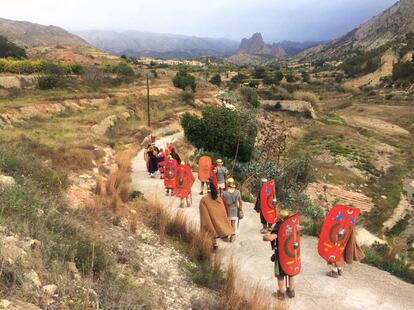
(183, 181)
(170, 172)
(267, 194)
(336, 232)
(204, 167)
(288, 241)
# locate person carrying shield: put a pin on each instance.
(161, 163)
(353, 252)
(169, 175)
(221, 174)
(184, 181)
(258, 208)
(280, 274)
(234, 203)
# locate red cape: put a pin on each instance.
(183, 181)
(170, 172)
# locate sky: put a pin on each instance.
(297, 20)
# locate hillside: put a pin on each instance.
(254, 51)
(28, 34)
(292, 48)
(135, 43)
(387, 27)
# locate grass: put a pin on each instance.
(331, 118)
(399, 227)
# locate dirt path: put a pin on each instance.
(361, 286)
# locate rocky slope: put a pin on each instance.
(254, 51)
(387, 27)
(28, 34)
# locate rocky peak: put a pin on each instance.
(252, 45)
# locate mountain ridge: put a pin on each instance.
(28, 34)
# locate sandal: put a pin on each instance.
(332, 274)
(279, 295)
(290, 293)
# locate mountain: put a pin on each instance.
(28, 34)
(387, 27)
(135, 43)
(292, 48)
(254, 51)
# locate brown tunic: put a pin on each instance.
(353, 251)
(213, 217)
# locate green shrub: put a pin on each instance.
(9, 49)
(216, 80)
(183, 79)
(221, 130)
(49, 81)
(187, 96)
(249, 97)
(238, 79)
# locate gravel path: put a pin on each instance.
(361, 286)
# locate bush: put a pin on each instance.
(278, 77)
(249, 97)
(223, 131)
(187, 96)
(363, 62)
(9, 49)
(290, 78)
(238, 79)
(306, 77)
(183, 79)
(49, 81)
(259, 72)
(403, 72)
(216, 80)
(308, 97)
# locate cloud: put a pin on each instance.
(276, 19)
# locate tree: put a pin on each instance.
(290, 78)
(278, 76)
(259, 72)
(268, 80)
(250, 97)
(183, 79)
(222, 131)
(238, 79)
(216, 80)
(305, 77)
(9, 49)
(188, 96)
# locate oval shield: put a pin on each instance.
(170, 172)
(288, 240)
(183, 181)
(336, 232)
(204, 167)
(267, 194)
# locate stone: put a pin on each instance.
(330, 174)
(72, 267)
(6, 182)
(32, 279)
(383, 197)
(4, 304)
(50, 289)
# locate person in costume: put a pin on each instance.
(258, 208)
(221, 173)
(187, 198)
(282, 277)
(152, 161)
(168, 183)
(161, 163)
(174, 154)
(352, 252)
(234, 203)
(213, 216)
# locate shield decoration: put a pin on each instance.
(183, 181)
(204, 167)
(288, 241)
(336, 232)
(267, 194)
(170, 172)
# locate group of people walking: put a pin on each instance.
(221, 209)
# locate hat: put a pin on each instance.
(283, 213)
(219, 161)
(183, 163)
(263, 180)
(170, 157)
(230, 180)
